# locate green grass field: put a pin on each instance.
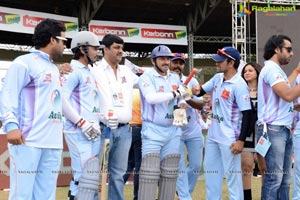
(199, 193)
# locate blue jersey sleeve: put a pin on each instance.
(16, 78)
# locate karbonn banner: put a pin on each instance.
(24, 21)
(141, 33)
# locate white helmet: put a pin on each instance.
(84, 38)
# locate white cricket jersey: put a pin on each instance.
(31, 98)
(229, 98)
(82, 91)
(152, 82)
(271, 108)
(193, 128)
(108, 84)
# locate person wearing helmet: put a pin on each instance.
(86, 43)
(116, 84)
(191, 136)
(82, 108)
(160, 93)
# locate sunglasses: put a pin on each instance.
(223, 53)
(289, 49)
(178, 55)
(64, 40)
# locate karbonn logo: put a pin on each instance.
(30, 21)
(120, 31)
(163, 34)
(7, 18)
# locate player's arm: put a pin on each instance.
(247, 124)
(88, 129)
(148, 90)
(11, 90)
(194, 103)
(198, 92)
(292, 77)
(237, 147)
(285, 92)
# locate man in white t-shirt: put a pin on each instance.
(275, 115)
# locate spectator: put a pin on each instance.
(250, 73)
(115, 84)
(135, 152)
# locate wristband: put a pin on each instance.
(80, 123)
(296, 71)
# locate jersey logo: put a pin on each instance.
(225, 94)
(246, 97)
(145, 85)
(124, 80)
(161, 88)
(278, 76)
(174, 87)
(88, 80)
(48, 78)
(215, 88)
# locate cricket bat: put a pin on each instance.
(190, 76)
(102, 193)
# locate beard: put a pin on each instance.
(283, 61)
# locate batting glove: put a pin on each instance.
(180, 118)
(185, 92)
(90, 130)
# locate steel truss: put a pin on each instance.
(239, 38)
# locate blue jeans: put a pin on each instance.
(296, 183)
(120, 141)
(188, 176)
(278, 160)
(135, 158)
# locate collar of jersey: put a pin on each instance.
(233, 79)
(41, 54)
(155, 73)
(76, 63)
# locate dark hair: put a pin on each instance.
(77, 53)
(45, 30)
(255, 65)
(273, 42)
(109, 39)
(236, 63)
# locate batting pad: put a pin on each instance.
(89, 180)
(169, 173)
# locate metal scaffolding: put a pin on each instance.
(239, 24)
